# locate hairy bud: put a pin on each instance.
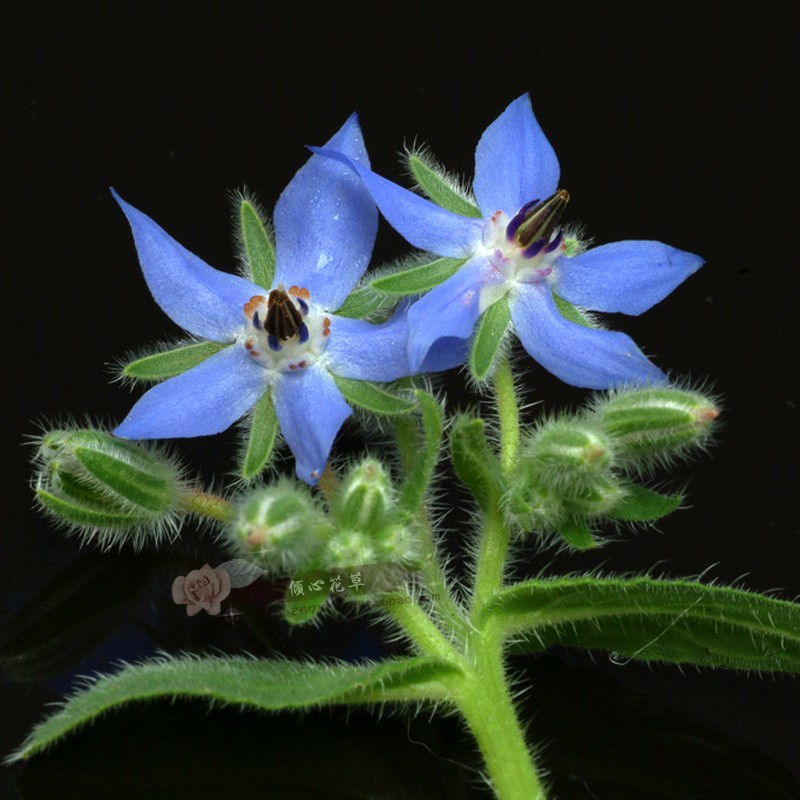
(650, 425)
(281, 527)
(565, 477)
(365, 500)
(93, 481)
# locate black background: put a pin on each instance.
(671, 122)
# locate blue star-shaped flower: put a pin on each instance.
(283, 340)
(517, 251)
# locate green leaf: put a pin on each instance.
(489, 337)
(421, 469)
(644, 619)
(439, 188)
(261, 438)
(572, 313)
(363, 302)
(577, 534)
(418, 279)
(371, 397)
(169, 363)
(258, 246)
(474, 461)
(244, 682)
(641, 505)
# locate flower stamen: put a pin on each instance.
(282, 330)
(536, 221)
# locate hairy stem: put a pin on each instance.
(205, 504)
(508, 412)
(485, 702)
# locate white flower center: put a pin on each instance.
(284, 332)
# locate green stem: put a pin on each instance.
(481, 694)
(433, 573)
(491, 561)
(207, 505)
(486, 705)
(508, 412)
(421, 628)
(493, 545)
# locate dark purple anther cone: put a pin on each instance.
(542, 220)
(519, 218)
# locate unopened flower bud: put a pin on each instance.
(567, 456)
(349, 548)
(365, 499)
(281, 527)
(564, 476)
(90, 479)
(646, 425)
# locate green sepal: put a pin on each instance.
(577, 534)
(572, 313)
(300, 610)
(420, 472)
(434, 183)
(362, 303)
(244, 682)
(419, 279)
(88, 514)
(261, 437)
(489, 337)
(645, 619)
(142, 481)
(643, 505)
(169, 363)
(474, 461)
(258, 248)
(373, 398)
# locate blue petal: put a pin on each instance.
(624, 276)
(310, 411)
(514, 162)
(202, 300)
(205, 400)
(325, 224)
(449, 310)
(586, 357)
(420, 222)
(367, 352)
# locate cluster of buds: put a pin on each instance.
(576, 471)
(285, 530)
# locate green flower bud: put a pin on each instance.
(567, 457)
(349, 548)
(93, 481)
(281, 527)
(564, 477)
(648, 425)
(365, 500)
